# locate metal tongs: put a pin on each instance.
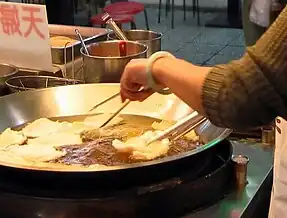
(115, 113)
(108, 20)
(111, 23)
(181, 128)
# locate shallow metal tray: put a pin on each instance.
(90, 35)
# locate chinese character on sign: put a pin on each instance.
(22, 26)
(33, 21)
(9, 19)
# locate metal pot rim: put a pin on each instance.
(16, 70)
(119, 57)
(46, 77)
(160, 35)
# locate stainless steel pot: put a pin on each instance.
(104, 64)
(150, 38)
(6, 72)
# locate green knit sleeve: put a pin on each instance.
(251, 91)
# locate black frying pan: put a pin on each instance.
(19, 108)
(114, 177)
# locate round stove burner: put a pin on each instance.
(169, 198)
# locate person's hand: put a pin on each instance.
(134, 81)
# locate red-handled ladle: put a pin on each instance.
(112, 24)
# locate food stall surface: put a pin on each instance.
(235, 204)
(245, 202)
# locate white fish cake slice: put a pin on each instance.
(97, 120)
(41, 127)
(162, 125)
(156, 149)
(139, 149)
(56, 139)
(11, 137)
(74, 128)
(35, 153)
(10, 158)
(132, 144)
(192, 136)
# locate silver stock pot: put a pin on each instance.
(105, 63)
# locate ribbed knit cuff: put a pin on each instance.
(212, 87)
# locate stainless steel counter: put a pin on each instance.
(245, 203)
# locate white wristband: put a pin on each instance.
(150, 80)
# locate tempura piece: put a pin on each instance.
(74, 128)
(139, 149)
(11, 137)
(192, 136)
(56, 139)
(35, 152)
(41, 127)
(155, 149)
(162, 125)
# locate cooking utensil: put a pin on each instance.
(123, 52)
(87, 197)
(123, 45)
(68, 103)
(105, 101)
(6, 72)
(106, 56)
(150, 38)
(103, 178)
(25, 83)
(176, 131)
(181, 128)
(90, 34)
(116, 113)
(119, 110)
(109, 21)
(82, 41)
(62, 101)
(123, 48)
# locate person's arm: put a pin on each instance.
(171, 72)
(248, 92)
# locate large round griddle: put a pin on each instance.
(173, 197)
(21, 108)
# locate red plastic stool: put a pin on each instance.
(118, 18)
(132, 8)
